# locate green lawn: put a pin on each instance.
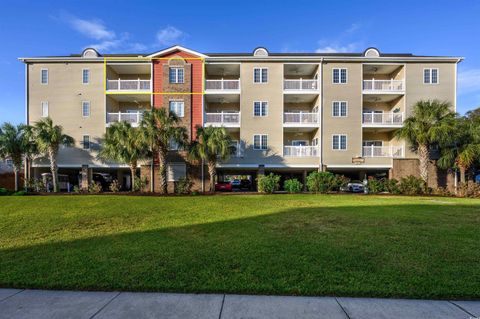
(343, 245)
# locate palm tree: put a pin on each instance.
(123, 143)
(14, 145)
(463, 147)
(212, 144)
(430, 124)
(48, 139)
(161, 129)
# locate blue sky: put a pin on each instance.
(37, 28)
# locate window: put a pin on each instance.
(339, 76)
(44, 76)
(175, 171)
(339, 109)
(176, 75)
(86, 108)
(177, 107)
(44, 109)
(260, 141)
(260, 75)
(85, 76)
(86, 142)
(339, 142)
(430, 76)
(260, 108)
(173, 145)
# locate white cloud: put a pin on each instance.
(469, 81)
(336, 48)
(169, 35)
(94, 29)
(354, 27)
(342, 42)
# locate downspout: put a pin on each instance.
(26, 164)
(321, 115)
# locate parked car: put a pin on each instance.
(103, 178)
(245, 184)
(223, 187)
(235, 183)
(355, 187)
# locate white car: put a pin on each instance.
(355, 187)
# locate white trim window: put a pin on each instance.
(260, 141)
(44, 108)
(44, 76)
(85, 108)
(86, 142)
(85, 76)
(339, 75)
(339, 109)
(175, 171)
(260, 108)
(430, 76)
(177, 107)
(176, 75)
(339, 142)
(260, 75)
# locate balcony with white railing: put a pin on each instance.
(370, 119)
(236, 149)
(128, 85)
(300, 151)
(383, 151)
(227, 119)
(132, 118)
(293, 119)
(300, 85)
(383, 86)
(222, 86)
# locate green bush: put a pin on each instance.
(411, 185)
(468, 189)
(391, 186)
(140, 184)
(340, 182)
(19, 193)
(94, 188)
(114, 186)
(268, 183)
(375, 186)
(183, 186)
(293, 185)
(4, 191)
(35, 185)
(322, 182)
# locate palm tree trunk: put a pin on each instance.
(463, 169)
(16, 170)
(133, 172)
(162, 161)
(212, 171)
(424, 156)
(54, 168)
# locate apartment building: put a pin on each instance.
(288, 113)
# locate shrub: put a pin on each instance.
(35, 185)
(468, 189)
(94, 188)
(321, 182)
(140, 184)
(340, 182)
(412, 185)
(183, 186)
(4, 191)
(19, 193)
(375, 186)
(114, 186)
(293, 185)
(391, 186)
(268, 183)
(442, 191)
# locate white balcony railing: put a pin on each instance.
(300, 85)
(383, 85)
(374, 119)
(129, 85)
(301, 118)
(132, 118)
(222, 85)
(383, 151)
(236, 149)
(300, 151)
(223, 119)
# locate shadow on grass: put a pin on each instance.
(411, 251)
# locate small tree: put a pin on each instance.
(14, 144)
(48, 139)
(212, 144)
(268, 183)
(321, 182)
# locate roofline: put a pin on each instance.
(176, 47)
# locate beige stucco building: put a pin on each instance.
(287, 113)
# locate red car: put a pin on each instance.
(223, 186)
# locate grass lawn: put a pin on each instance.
(343, 245)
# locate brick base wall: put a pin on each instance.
(436, 177)
(194, 174)
(7, 180)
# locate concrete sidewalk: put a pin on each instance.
(40, 304)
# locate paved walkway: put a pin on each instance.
(41, 304)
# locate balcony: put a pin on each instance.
(226, 119)
(236, 149)
(383, 86)
(300, 119)
(383, 151)
(300, 151)
(128, 85)
(300, 85)
(371, 119)
(132, 118)
(222, 86)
